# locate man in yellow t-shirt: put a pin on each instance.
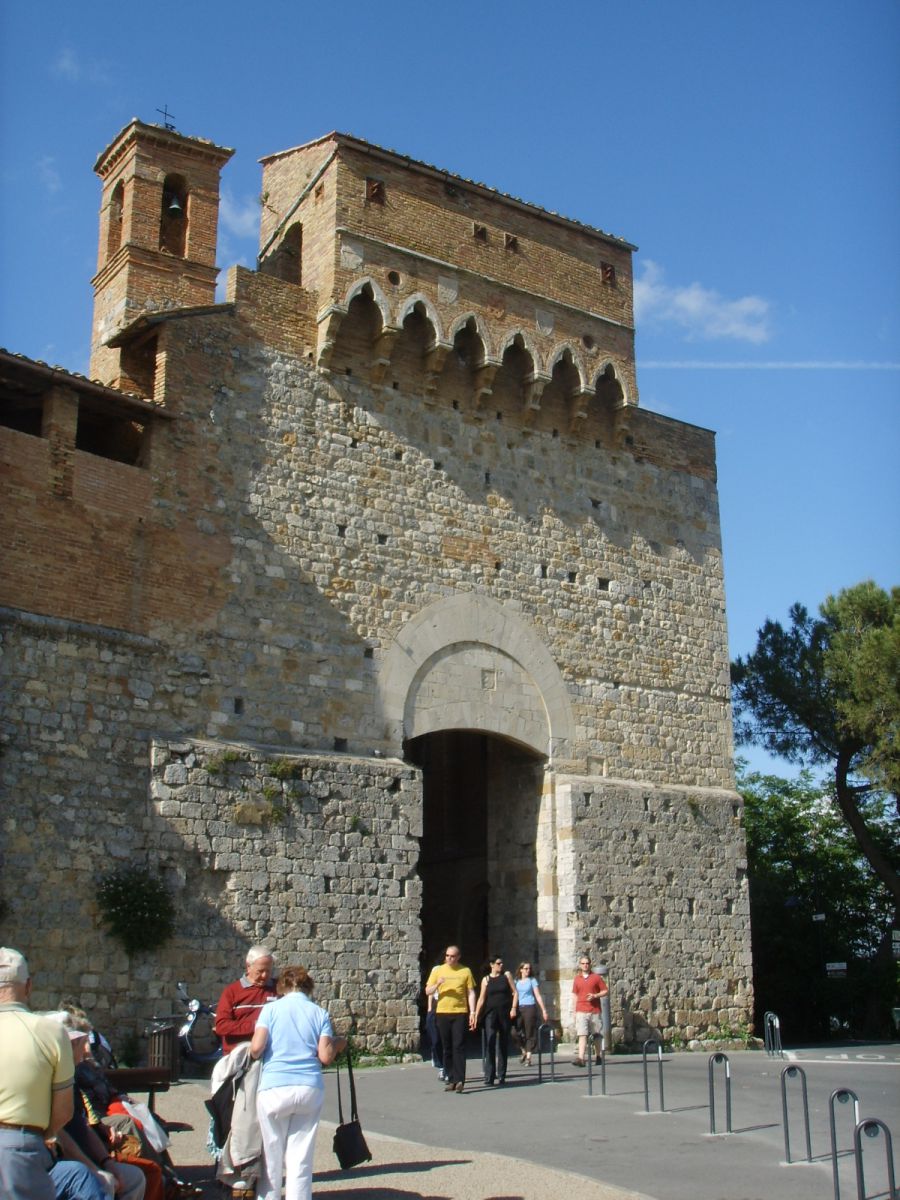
(36, 1097)
(454, 987)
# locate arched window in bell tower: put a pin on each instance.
(174, 216)
(114, 226)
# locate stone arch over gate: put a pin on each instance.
(474, 699)
(466, 662)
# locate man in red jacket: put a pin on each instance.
(243, 1000)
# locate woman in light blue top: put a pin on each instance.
(294, 1039)
(529, 1001)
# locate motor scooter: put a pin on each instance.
(194, 1031)
(198, 1041)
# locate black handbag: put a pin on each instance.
(349, 1142)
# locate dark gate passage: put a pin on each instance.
(453, 859)
(477, 864)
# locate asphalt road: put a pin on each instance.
(526, 1140)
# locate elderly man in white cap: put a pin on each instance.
(36, 1097)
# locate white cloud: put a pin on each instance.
(72, 67)
(48, 174)
(67, 65)
(700, 311)
(240, 217)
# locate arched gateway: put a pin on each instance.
(479, 705)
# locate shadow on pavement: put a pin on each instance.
(389, 1168)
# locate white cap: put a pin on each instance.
(13, 967)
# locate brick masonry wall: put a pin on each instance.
(418, 213)
(137, 275)
(551, 284)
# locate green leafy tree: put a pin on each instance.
(827, 690)
(813, 899)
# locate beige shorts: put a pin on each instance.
(586, 1023)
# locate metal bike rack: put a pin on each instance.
(793, 1072)
(772, 1035)
(715, 1060)
(659, 1057)
(871, 1127)
(591, 1043)
(540, 1049)
(840, 1096)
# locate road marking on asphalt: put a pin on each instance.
(880, 1060)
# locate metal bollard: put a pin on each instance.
(591, 1047)
(871, 1127)
(662, 1104)
(714, 1061)
(772, 1035)
(791, 1073)
(552, 1039)
(840, 1096)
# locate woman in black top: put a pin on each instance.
(498, 1001)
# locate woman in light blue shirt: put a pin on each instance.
(529, 1001)
(294, 1039)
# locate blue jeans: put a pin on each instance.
(75, 1181)
(24, 1163)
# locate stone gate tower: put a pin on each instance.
(367, 606)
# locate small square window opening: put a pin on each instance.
(374, 191)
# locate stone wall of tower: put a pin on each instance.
(276, 488)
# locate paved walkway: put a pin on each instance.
(527, 1141)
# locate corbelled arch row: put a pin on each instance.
(474, 699)
(466, 363)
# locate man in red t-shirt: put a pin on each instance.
(242, 1001)
(588, 988)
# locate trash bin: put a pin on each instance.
(547, 1038)
(162, 1049)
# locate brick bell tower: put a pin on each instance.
(158, 222)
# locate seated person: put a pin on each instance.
(79, 1142)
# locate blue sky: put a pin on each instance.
(750, 152)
